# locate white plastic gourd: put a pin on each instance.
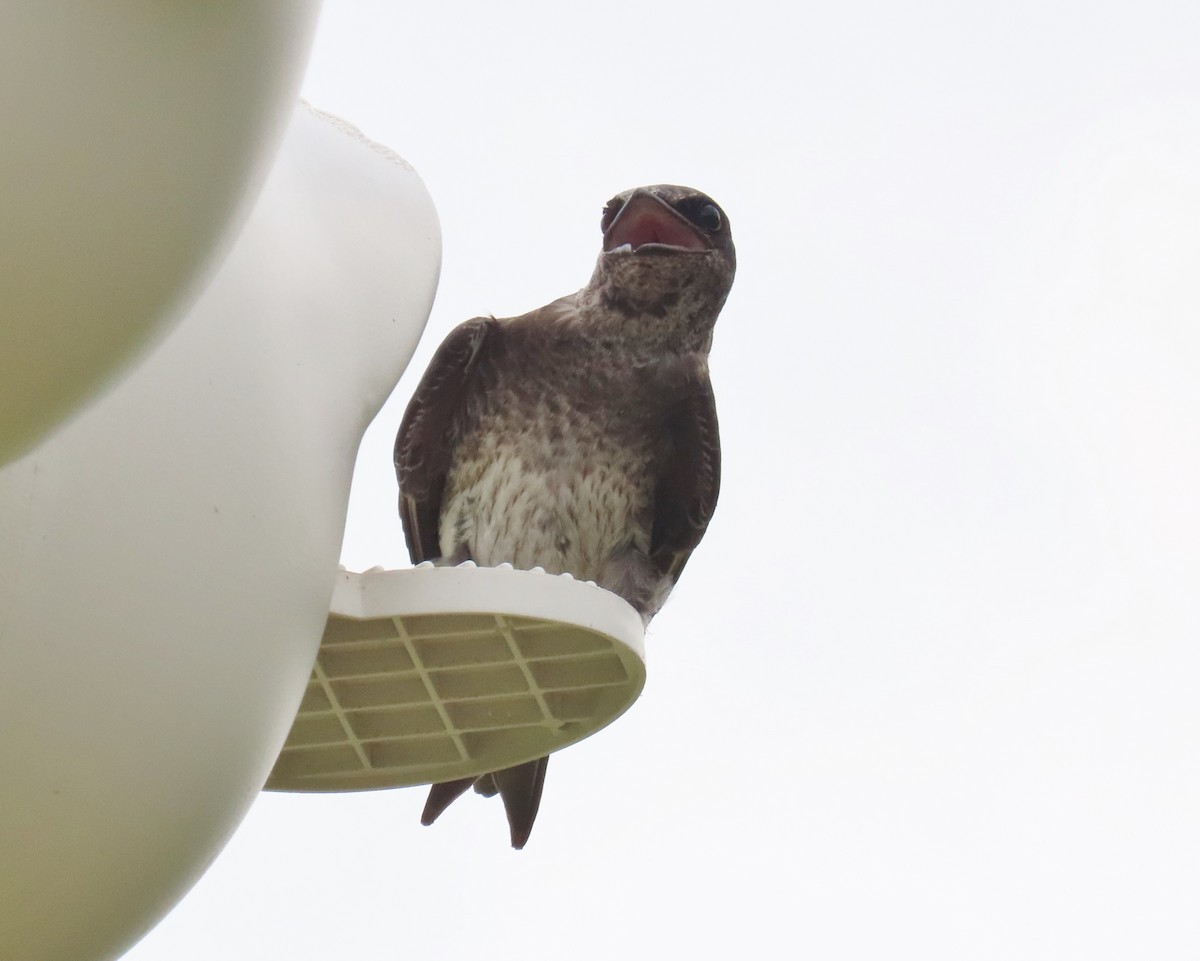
(168, 556)
(136, 138)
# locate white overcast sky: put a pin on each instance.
(927, 689)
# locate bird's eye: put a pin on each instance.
(708, 217)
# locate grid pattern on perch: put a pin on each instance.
(404, 700)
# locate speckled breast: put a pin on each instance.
(553, 469)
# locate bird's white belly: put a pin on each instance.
(567, 512)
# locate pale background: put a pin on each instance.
(927, 688)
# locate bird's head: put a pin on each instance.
(668, 251)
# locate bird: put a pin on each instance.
(580, 437)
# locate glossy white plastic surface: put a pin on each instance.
(167, 558)
(436, 673)
(136, 137)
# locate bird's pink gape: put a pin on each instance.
(644, 220)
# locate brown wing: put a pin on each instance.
(424, 443)
(686, 494)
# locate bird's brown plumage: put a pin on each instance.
(580, 437)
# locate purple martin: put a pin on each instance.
(580, 437)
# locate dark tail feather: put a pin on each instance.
(520, 788)
(441, 796)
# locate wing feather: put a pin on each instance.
(424, 444)
(689, 480)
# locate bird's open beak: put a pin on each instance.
(645, 222)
